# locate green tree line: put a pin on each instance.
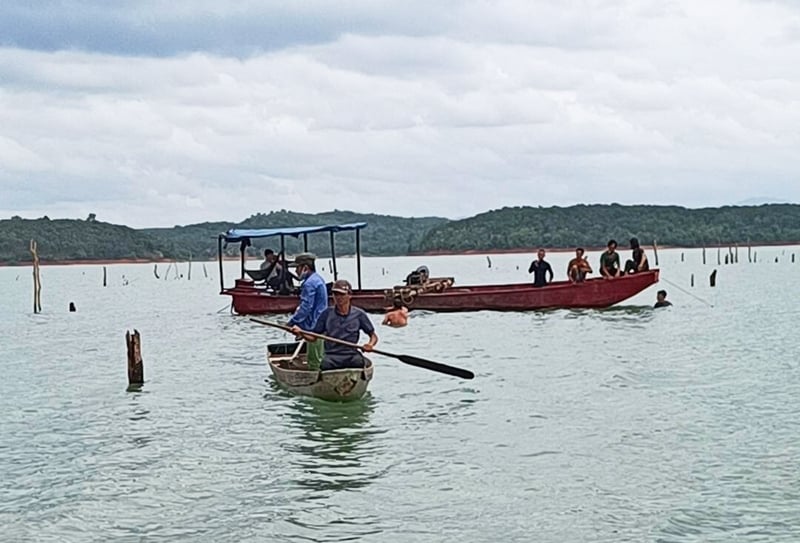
(593, 225)
(503, 229)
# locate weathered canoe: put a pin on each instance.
(290, 370)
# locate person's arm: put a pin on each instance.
(305, 308)
(550, 271)
(366, 326)
(530, 268)
(373, 340)
(387, 318)
(643, 263)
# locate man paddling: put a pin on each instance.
(341, 321)
(313, 301)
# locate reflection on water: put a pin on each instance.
(336, 443)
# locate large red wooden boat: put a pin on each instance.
(251, 298)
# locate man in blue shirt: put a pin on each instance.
(345, 322)
(313, 301)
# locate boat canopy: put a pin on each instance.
(240, 234)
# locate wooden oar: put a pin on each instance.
(406, 359)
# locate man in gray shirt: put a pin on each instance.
(346, 322)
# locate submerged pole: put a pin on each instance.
(37, 278)
(135, 365)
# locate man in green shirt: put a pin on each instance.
(609, 261)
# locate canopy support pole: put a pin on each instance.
(219, 257)
(305, 243)
(333, 258)
(242, 251)
(358, 257)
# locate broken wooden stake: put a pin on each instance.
(713, 278)
(655, 251)
(135, 366)
(37, 279)
(692, 280)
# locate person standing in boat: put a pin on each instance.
(638, 262)
(540, 268)
(578, 267)
(609, 261)
(341, 321)
(313, 302)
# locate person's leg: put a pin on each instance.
(315, 351)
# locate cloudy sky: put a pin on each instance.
(154, 113)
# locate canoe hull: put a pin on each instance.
(593, 293)
(333, 385)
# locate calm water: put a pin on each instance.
(620, 425)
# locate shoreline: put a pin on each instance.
(470, 252)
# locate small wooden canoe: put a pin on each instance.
(290, 370)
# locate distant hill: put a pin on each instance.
(593, 225)
(69, 239)
(502, 229)
(74, 239)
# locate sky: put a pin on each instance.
(153, 113)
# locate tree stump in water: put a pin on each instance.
(135, 366)
(37, 279)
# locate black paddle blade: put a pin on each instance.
(435, 366)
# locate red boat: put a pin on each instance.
(437, 294)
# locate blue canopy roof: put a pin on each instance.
(235, 234)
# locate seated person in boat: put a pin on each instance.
(578, 267)
(397, 315)
(638, 262)
(419, 276)
(609, 261)
(274, 269)
(313, 302)
(540, 268)
(341, 321)
(661, 299)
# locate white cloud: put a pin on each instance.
(478, 106)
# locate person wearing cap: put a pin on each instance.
(313, 302)
(342, 321)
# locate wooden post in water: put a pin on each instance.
(205, 271)
(155, 271)
(105, 277)
(719, 257)
(655, 251)
(135, 365)
(704, 256)
(736, 253)
(681, 257)
(189, 271)
(713, 278)
(792, 258)
(749, 255)
(755, 257)
(37, 279)
(726, 259)
(692, 280)
(166, 275)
